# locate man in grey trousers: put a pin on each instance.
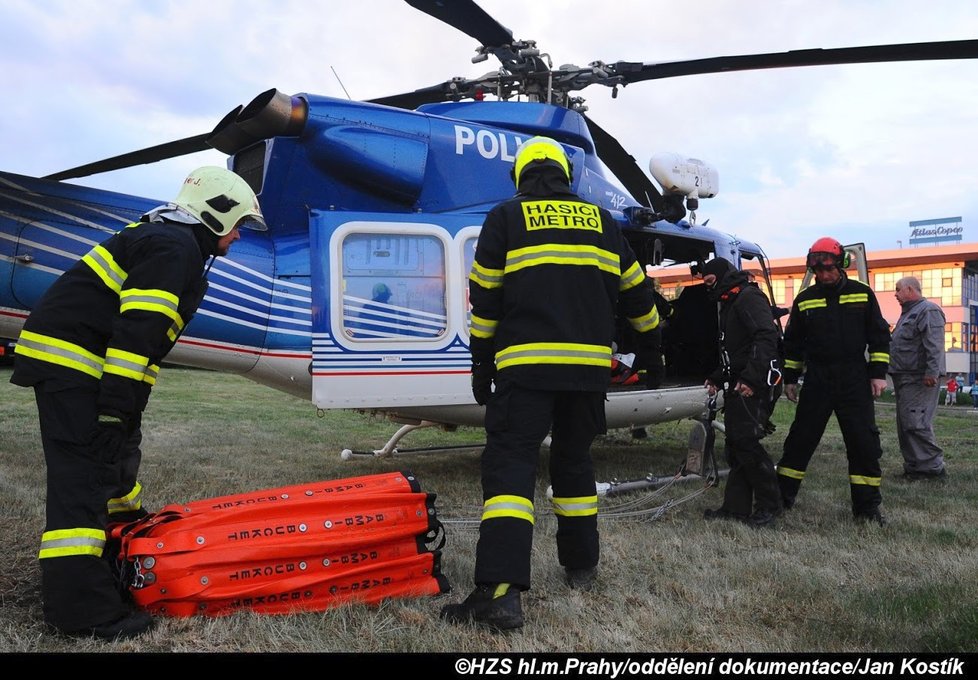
(916, 361)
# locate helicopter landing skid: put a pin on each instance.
(390, 448)
(699, 464)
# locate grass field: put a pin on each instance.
(815, 582)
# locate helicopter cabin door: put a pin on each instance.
(390, 308)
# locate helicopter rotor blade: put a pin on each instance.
(412, 100)
(623, 165)
(467, 17)
(632, 72)
(180, 147)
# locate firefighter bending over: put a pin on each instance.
(91, 350)
(550, 272)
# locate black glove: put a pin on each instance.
(654, 371)
(482, 375)
(111, 435)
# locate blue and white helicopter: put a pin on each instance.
(356, 296)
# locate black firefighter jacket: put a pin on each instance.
(551, 270)
(832, 325)
(109, 320)
(749, 337)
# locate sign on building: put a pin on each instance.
(940, 230)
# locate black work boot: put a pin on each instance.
(581, 579)
(723, 513)
(761, 518)
(875, 516)
(129, 626)
(499, 613)
(916, 475)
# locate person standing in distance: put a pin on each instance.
(749, 369)
(91, 349)
(550, 273)
(831, 327)
(916, 361)
(951, 396)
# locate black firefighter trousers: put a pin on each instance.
(517, 421)
(752, 484)
(79, 591)
(843, 388)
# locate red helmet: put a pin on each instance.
(827, 251)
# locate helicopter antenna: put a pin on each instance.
(340, 82)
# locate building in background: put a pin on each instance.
(948, 275)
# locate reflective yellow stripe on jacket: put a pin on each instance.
(646, 322)
(104, 265)
(70, 355)
(554, 353)
(482, 328)
(811, 304)
(126, 364)
(151, 373)
(632, 277)
(485, 277)
(852, 298)
(555, 253)
(152, 300)
(59, 352)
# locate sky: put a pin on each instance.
(855, 152)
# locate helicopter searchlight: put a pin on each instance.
(690, 177)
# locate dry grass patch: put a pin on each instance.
(815, 582)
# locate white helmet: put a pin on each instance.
(221, 200)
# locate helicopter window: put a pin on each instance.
(393, 287)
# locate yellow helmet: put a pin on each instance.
(221, 200)
(540, 149)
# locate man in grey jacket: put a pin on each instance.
(916, 361)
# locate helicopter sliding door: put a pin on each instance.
(390, 309)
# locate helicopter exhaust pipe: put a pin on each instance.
(270, 114)
(227, 137)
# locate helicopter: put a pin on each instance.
(355, 298)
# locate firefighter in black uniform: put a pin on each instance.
(551, 270)
(831, 327)
(748, 372)
(91, 349)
